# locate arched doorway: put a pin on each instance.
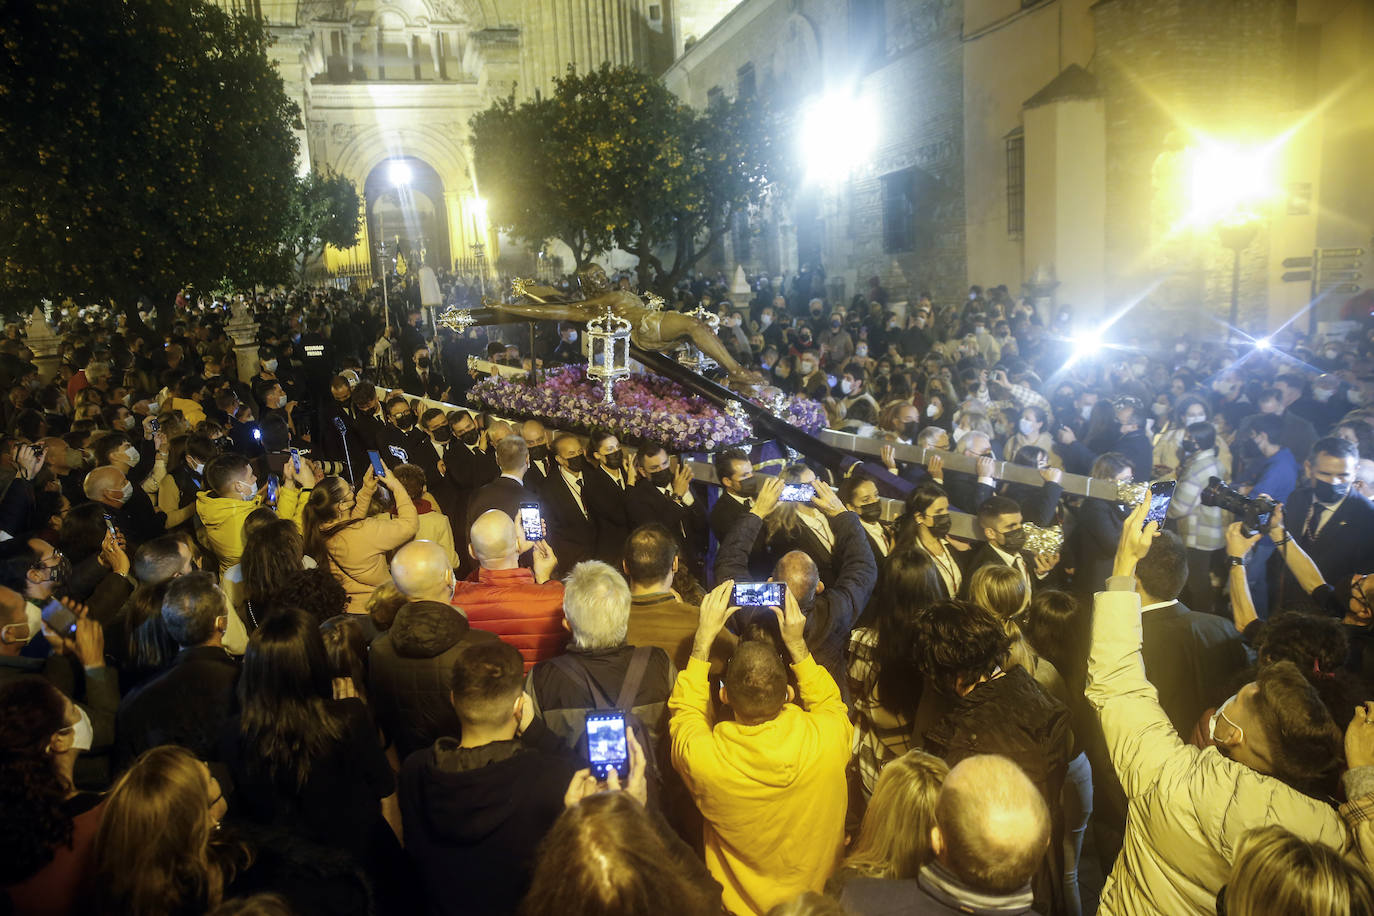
(405, 209)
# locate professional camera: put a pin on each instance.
(1254, 512)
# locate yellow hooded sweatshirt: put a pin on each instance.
(773, 795)
(223, 519)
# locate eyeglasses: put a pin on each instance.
(1357, 592)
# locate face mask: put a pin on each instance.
(871, 512)
(1187, 448)
(1085, 411)
(932, 410)
(847, 386)
(539, 452)
(131, 454)
(244, 490)
(910, 429)
(423, 362)
(269, 365)
(1160, 409)
(1330, 354)
(83, 733)
(1323, 394)
(940, 525)
(662, 478)
(443, 434)
(1013, 541)
(615, 460)
(861, 352)
(126, 492)
(471, 436)
(1328, 492)
(765, 320)
(749, 487)
(127, 423)
(1192, 418)
(1026, 427)
(835, 325)
(405, 421)
(198, 468)
(1218, 716)
(17, 634)
(570, 337)
(577, 464)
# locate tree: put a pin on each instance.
(613, 158)
(145, 145)
(324, 211)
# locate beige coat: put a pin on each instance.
(358, 553)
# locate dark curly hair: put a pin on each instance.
(314, 591)
(958, 642)
(32, 791)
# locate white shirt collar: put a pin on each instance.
(1008, 557)
(1157, 605)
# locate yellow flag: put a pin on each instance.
(400, 264)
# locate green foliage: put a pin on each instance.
(324, 211)
(144, 145)
(612, 158)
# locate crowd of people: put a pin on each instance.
(325, 640)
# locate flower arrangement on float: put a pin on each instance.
(647, 408)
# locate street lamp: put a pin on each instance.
(837, 135)
(1229, 188)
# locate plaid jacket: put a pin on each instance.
(1201, 527)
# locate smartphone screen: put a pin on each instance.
(59, 618)
(376, 459)
(530, 523)
(797, 493)
(607, 746)
(109, 526)
(1160, 493)
(272, 489)
(296, 459)
(154, 425)
(757, 594)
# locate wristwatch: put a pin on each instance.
(1236, 561)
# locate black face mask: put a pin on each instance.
(1013, 541)
(539, 452)
(423, 362)
(615, 460)
(1328, 492)
(443, 434)
(871, 512)
(577, 464)
(405, 421)
(910, 430)
(471, 436)
(1187, 448)
(749, 487)
(662, 478)
(941, 525)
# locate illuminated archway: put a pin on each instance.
(406, 209)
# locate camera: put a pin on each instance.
(1254, 512)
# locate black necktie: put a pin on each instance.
(1314, 522)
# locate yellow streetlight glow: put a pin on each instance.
(1228, 183)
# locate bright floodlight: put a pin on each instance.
(837, 135)
(1086, 345)
(1228, 183)
(398, 172)
(1264, 343)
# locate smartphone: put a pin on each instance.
(757, 594)
(155, 426)
(607, 745)
(59, 618)
(399, 453)
(272, 489)
(296, 459)
(109, 526)
(797, 493)
(530, 522)
(1160, 493)
(257, 434)
(376, 459)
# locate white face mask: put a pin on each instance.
(847, 386)
(127, 423)
(1218, 716)
(1192, 418)
(270, 365)
(861, 352)
(932, 410)
(126, 493)
(83, 732)
(1085, 411)
(1026, 427)
(131, 455)
(245, 491)
(198, 467)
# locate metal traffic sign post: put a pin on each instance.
(1333, 272)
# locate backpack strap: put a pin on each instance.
(578, 672)
(634, 676)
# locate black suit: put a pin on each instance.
(647, 503)
(607, 503)
(432, 386)
(966, 492)
(985, 555)
(725, 514)
(504, 493)
(1192, 659)
(1343, 548)
(572, 534)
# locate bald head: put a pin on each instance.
(494, 541)
(991, 825)
(105, 484)
(421, 571)
(534, 433)
(11, 607)
(497, 430)
(799, 571)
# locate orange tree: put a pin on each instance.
(145, 145)
(612, 158)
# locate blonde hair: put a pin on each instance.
(1277, 872)
(894, 839)
(153, 852)
(1001, 590)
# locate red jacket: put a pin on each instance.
(510, 604)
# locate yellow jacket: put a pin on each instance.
(190, 410)
(223, 519)
(773, 795)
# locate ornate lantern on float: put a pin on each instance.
(690, 356)
(608, 351)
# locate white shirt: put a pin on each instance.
(574, 482)
(1016, 562)
(1327, 512)
(686, 499)
(879, 536)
